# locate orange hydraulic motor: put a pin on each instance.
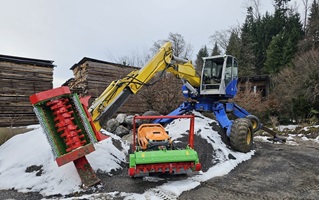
(153, 135)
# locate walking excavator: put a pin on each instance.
(72, 127)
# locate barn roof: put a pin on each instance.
(85, 59)
(254, 78)
(23, 60)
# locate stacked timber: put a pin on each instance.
(92, 77)
(20, 78)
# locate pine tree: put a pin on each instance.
(287, 33)
(311, 39)
(203, 52)
(233, 44)
(246, 57)
(281, 4)
(294, 32)
(274, 57)
(216, 50)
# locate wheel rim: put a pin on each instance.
(248, 137)
(254, 124)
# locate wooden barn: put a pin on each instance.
(92, 77)
(19, 78)
(259, 83)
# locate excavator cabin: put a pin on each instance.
(219, 76)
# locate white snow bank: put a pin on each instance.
(32, 148)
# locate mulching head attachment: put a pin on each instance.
(164, 159)
(68, 128)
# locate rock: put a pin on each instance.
(149, 113)
(129, 121)
(123, 123)
(111, 125)
(121, 118)
(121, 131)
(128, 137)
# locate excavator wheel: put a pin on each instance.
(241, 135)
(255, 122)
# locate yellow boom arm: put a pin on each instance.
(119, 91)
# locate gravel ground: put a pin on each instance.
(276, 171)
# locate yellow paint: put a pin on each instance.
(162, 61)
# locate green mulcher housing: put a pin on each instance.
(154, 152)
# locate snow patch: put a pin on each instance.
(32, 148)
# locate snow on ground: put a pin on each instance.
(31, 148)
(309, 127)
(283, 128)
(289, 140)
(292, 139)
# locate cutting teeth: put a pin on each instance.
(64, 122)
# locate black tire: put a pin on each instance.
(241, 135)
(255, 122)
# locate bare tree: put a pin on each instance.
(306, 8)
(308, 74)
(180, 46)
(135, 58)
(297, 87)
(222, 37)
(156, 46)
(254, 102)
(164, 96)
(256, 6)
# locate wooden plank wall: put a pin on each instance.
(92, 78)
(18, 82)
(262, 83)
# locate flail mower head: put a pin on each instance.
(68, 128)
(155, 152)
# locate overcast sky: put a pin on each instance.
(65, 31)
